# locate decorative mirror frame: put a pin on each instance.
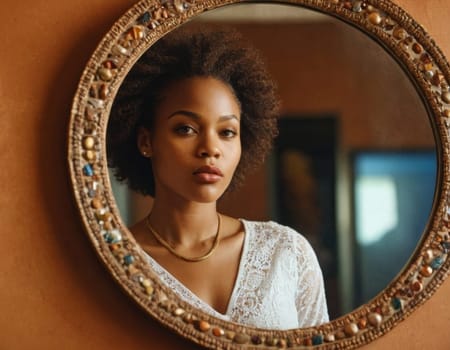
(127, 40)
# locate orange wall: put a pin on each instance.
(53, 291)
(320, 69)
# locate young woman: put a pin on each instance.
(196, 112)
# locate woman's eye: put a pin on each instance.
(185, 130)
(229, 133)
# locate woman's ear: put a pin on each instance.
(144, 142)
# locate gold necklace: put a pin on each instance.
(166, 244)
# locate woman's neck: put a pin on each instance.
(184, 224)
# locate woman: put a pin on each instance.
(197, 112)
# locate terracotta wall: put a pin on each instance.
(330, 68)
(53, 292)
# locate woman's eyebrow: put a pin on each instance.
(186, 113)
(228, 117)
(198, 116)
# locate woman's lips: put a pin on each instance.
(208, 174)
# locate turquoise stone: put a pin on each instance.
(112, 237)
(128, 259)
(144, 19)
(317, 339)
(108, 238)
(437, 262)
(396, 303)
(357, 7)
(92, 189)
(446, 246)
(87, 170)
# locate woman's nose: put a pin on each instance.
(209, 147)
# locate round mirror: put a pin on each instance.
(354, 169)
(342, 155)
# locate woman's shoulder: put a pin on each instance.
(269, 227)
(274, 231)
(270, 241)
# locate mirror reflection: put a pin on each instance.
(354, 166)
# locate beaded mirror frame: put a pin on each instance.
(128, 39)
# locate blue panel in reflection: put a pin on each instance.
(415, 163)
(393, 197)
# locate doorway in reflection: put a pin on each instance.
(304, 189)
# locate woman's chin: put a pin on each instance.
(208, 195)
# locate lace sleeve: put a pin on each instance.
(310, 298)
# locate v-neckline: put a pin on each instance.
(190, 297)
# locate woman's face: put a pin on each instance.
(194, 143)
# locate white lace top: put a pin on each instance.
(279, 283)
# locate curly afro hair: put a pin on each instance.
(220, 54)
